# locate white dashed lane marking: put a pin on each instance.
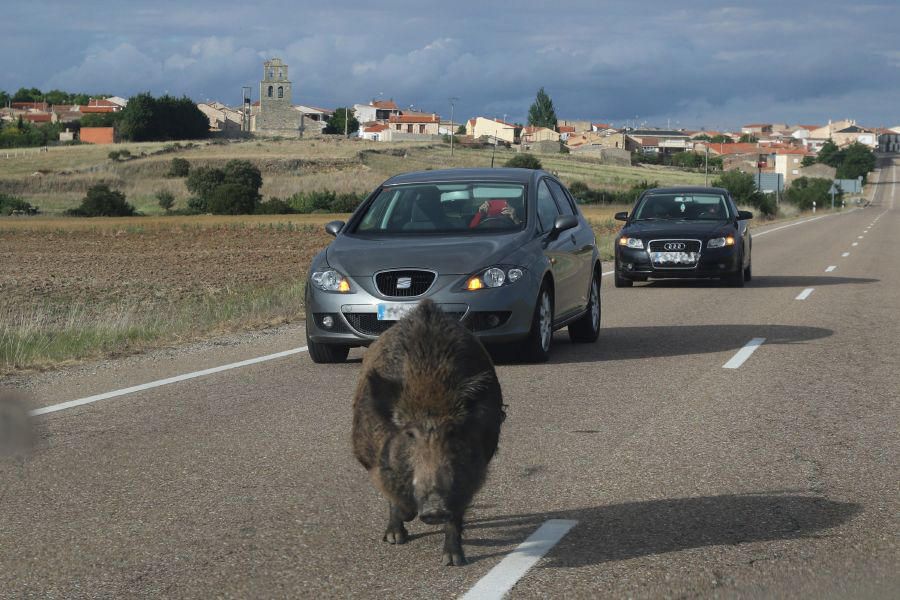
(804, 294)
(831, 268)
(845, 254)
(744, 353)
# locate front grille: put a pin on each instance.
(689, 246)
(406, 283)
(368, 323)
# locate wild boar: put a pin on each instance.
(426, 421)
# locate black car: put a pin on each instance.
(684, 233)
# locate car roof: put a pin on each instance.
(504, 174)
(696, 189)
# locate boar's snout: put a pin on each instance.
(433, 511)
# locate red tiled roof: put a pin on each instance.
(386, 104)
(789, 151)
(758, 125)
(414, 119)
(533, 128)
(472, 122)
(376, 128)
(601, 125)
(737, 148)
(29, 105)
(565, 129)
(37, 117)
(808, 127)
(97, 109)
(102, 102)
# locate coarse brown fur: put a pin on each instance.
(426, 421)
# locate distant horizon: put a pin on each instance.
(710, 65)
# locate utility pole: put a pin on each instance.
(452, 131)
(346, 122)
(706, 164)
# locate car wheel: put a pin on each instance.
(540, 337)
(621, 281)
(587, 328)
(736, 279)
(327, 353)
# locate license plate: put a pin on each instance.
(674, 258)
(395, 312)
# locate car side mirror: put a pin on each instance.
(743, 215)
(562, 223)
(621, 216)
(334, 227)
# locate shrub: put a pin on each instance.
(524, 161)
(124, 154)
(586, 195)
(274, 206)
(346, 203)
(179, 167)
(233, 199)
(166, 199)
(13, 204)
(114, 155)
(308, 202)
(101, 201)
(197, 206)
(203, 180)
(806, 190)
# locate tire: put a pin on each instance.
(536, 348)
(748, 272)
(736, 279)
(327, 353)
(586, 329)
(621, 281)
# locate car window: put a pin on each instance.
(445, 208)
(683, 206)
(546, 206)
(562, 199)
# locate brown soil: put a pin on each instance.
(151, 267)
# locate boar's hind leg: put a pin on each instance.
(453, 551)
(396, 532)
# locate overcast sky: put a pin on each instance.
(687, 64)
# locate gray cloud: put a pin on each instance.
(701, 65)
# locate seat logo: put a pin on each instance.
(404, 283)
(675, 246)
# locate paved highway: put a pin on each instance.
(691, 461)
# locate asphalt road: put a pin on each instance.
(778, 478)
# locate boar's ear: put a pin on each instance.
(383, 392)
(471, 387)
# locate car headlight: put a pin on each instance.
(630, 242)
(330, 281)
(720, 242)
(494, 277)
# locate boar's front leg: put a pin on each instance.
(396, 532)
(453, 551)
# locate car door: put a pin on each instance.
(558, 251)
(582, 238)
(744, 231)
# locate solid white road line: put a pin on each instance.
(744, 353)
(831, 268)
(845, 255)
(504, 576)
(804, 294)
(161, 382)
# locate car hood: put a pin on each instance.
(448, 255)
(699, 229)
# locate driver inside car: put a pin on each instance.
(494, 209)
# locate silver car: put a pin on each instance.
(505, 251)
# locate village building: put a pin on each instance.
(275, 115)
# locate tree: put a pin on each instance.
(233, 199)
(27, 95)
(743, 189)
(748, 138)
(541, 113)
(231, 190)
(461, 130)
(101, 201)
(137, 121)
(830, 154)
(167, 118)
(179, 167)
(808, 161)
(721, 139)
(166, 199)
(858, 161)
(5, 99)
(336, 123)
(806, 190)
(101, 119)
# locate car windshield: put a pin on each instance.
(683, 207)
(474, 208)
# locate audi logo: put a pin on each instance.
(675, 246)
